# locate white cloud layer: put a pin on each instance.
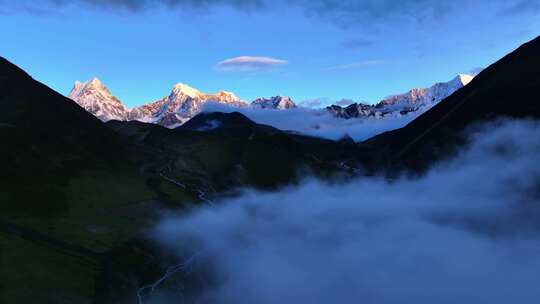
(466, 232)
(318, 122)
(248, 63)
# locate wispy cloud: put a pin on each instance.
(355, 65)
(523, 7)
(134, 6)
(344, 13)
(315, 102)
(248, 63)
(358, 43)
(323, 102)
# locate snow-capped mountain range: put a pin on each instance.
(180, 105)
(276, 102)
(419, 99)
(184, 102)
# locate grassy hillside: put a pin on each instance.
(70, 191)
(76, 194)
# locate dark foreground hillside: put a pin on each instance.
(68, 193)
(76, 193)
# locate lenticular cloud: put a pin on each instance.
(466, 232)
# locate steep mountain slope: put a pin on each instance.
(64, 175)
(507, 88)
(415, 100)
(429, 96)
(95, 98)
(46, 131)
(276, 102)
(180, 105)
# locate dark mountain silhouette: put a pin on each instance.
(227, 150)
(208, 121)
(46, 139)
(47, 124)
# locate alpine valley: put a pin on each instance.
(83, 179)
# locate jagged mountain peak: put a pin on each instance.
(276, 102)
(417, 99)
(431, 95)
(227, 95)
(94, 81)
(280, 97)
(182, 88)
(183, 103)
(96, 98)
(92, 86)
(464, 78)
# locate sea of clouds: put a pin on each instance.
(318, 122)
(468, 231)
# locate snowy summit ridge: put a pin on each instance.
(184, 102)
(276, 102)
(181, 104)
(418, 99)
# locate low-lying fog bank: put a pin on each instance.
(318, 122)
(466, 232)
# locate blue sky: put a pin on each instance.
(311, 50)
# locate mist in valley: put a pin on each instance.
(319, 122)
(467, 231)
